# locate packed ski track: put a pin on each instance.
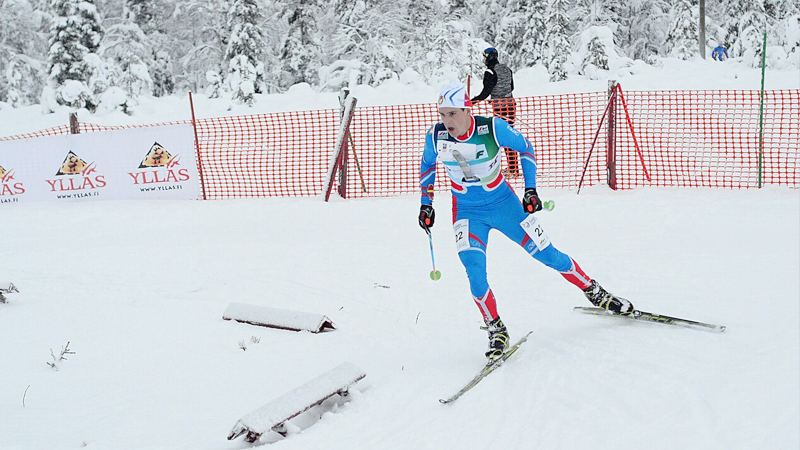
(138, 289)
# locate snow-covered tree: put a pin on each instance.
(185, 44)
(197, 39)
(523, 36)
(492, 19)
(161, 72)
(75, 36)
(150, 16)
(447, 51)
(596, 51)
(125, 46)
(643, 27)
(750, 27)
(590, 13)
(682, 36)
(557, 48)
(301, 51)
(364, 43)
(245, 75)
(22, 52)
(143, 14)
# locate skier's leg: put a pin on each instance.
(471, 239)
(550, 256)
(509, 224)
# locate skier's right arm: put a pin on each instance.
(489, 80)
(427, 178)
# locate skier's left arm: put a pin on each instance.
(509, 137)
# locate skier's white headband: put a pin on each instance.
(454, 95)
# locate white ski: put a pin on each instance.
(487, 369)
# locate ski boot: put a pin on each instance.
(498, 339)
(603, 299)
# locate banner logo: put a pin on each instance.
(77, 175)
(160, 169)
(8, 186)
(158, 156)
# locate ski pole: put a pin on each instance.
(435, 274)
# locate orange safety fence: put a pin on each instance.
(676, 138)
(709, 139)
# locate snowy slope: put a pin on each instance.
(138, 289)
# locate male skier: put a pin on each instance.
(469, 147)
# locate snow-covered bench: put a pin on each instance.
(283, 319)
(274, 415)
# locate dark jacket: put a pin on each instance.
(498, 81)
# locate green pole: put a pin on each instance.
(761, 114)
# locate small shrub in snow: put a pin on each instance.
(56, 360)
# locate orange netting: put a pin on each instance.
(709, 138)
(677, 138)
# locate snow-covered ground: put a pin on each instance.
(138, 289)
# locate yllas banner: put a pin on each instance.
(140, 163)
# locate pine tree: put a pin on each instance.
(301, 52)
(778, 10)
(682, 37)
(125, 46)
(362, 43)
(149, 15)
(245, 75)
(491, 19)
(751, 27)
(161, 73)
(197, 38)
(643, 27)
(523, 39)
(557, 43)
(596, 13)
(143, 14)
(22, 52)
(75, 35)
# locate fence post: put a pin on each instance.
(611, 144)
(339, 147)
(342, 189)
(197, 150)
(73, 123)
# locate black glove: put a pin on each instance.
(426, 216)
(531, 201)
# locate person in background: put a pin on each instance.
(720, 53)
(498, 82)
(469, 148)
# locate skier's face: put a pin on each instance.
(456, 120)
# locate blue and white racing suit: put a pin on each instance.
(483, 199)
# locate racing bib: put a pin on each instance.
(534, 229)
(461, 230)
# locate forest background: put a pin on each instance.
(92, 53)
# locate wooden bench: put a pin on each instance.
(274, 415)
(283, 319)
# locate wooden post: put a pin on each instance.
(701, 37)
(197, 149)
(343, 166)
(73, 123)
(611, 149)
